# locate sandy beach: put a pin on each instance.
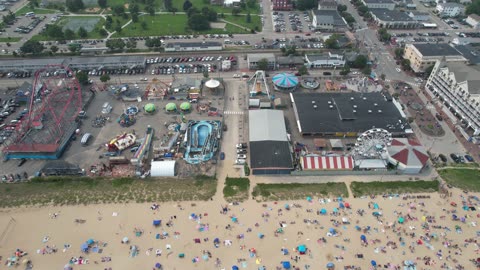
(251, 235)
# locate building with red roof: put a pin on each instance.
(408, 154)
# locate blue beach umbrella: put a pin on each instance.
(286, 265)
(363, 238)
(374, 263)
(323, 211)
(330, 265)
(234, 267)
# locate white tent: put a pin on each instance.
(164, 168)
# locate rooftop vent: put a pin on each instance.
(314, 106)
(313, 101)
(354, 106)
(352, 98)
(329, 102)
(369, 111)
(379, 111)
(331, 106)
(375, 104)
(354, 111)
(364, 98)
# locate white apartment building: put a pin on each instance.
(457, 86)
(384, 4)
(450, 9)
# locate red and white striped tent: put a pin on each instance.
(327, 163)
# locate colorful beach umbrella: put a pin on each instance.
(401, 220)
(330, 265)
(285, 80)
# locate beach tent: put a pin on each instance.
(234, 219)
(374, 263)
(90, 241)
(157, 222)
(347, 205)
(235, 267)
(309, 199)
(330, 266)
(125, 240)
(323, 211)
(287, 206)
(377, 214)
(302, 249)
(340, 199)
(341, 205)
(335, 210)
(158, 266)
(286, 265)
(332, 231)
(375, 206)
(285, 251)
(401, 220)
(84, 247)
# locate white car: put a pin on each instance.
(236, 76)
(398, 69)
(242, 156)
(144, 79)
(240, 161)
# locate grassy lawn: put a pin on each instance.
(294, 191)
(236, 189)
(26, 9)
(69, 191)
(466, 179)
(256, 22)
(394, 187)
(219, 9)
(168, 24)
(10, 39)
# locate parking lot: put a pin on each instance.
(192, 64)
(284, 21)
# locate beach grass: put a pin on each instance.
(83, 190)
(393, 187)
(236, 189)
(466, 179)
(295, 191)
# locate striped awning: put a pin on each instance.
(327, 163)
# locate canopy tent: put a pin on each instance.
(302, 249)
(157, 222)
(90, 241)
(185, 106)
(171, 107)
(84, 247)
(149, 108)
(285, 81)
(212, 83)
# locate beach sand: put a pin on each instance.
(28, 228)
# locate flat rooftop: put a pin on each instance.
(437, 49)
(320, 113)
(387, 15)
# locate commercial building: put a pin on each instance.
(408, 155)
(108, 62)
(424, 55)
(327, 5)
(193, 46)
(473, 20)
(393, 19)
(232, 3)
(328, 60)
(379, 4)
(419, 16)
(282, 5)
(347, 114)
(270, 150)
(254, 58)
(450, 9)
(472, 54)
(290, 61)
(28, 65)
(458, 87)
(328, 20)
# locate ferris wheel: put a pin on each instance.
(372, 144)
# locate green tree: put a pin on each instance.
(251, 3)
(332, 42)
(303, 70)
(32, 47)
(382, 77)
(74, 5)
(118, 10)
(33, 4)
(115, 44)
(102, 32)
(405, 64)
(118, 28)
(108, 22)
(236, 11)
(291, 50)
(69, 34)
(150, 10)
(105, 78)
(262, 64)
(175, 10)
(398, 53)
(362, 10)
(473, 8)
(360, 62)
(193, 10)
(131, 44)
(82, 77)
(345, 70)
(54, 31)
(102, 3)
(367, 71)
(134, 17)
(187, 5)
(54, 49)
(82, 32)
(383, 35)
(9, 18)
(306, 4)
(168, 4)
(205, 73)
(341, 8)
(198, 22)
(248, 18)
(143, 24)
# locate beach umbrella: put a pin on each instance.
(261, 235)
(363, 238)
(90, 241)
(234, 267)
(302, 249)
(341, 205)
(340, 199)
(401, 220)
(234, 219)
(330, 265)
(125, 239)
(347, 205)
(286, 265)
(332, 231)
(157, 222)
(158, 265)
(216, 241)
(374, 263)
(375, 206)
(67, 267)
(335, 210)
(358, 228)
(309, 199)
(84, 247)
(323, 211)
(287, 206)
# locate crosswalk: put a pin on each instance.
(232, 112)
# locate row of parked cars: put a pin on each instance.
(18, 74)
(129, 71)
(12, 178)
(457, 158)
(184, 68)
(241, 153)
(162, 60)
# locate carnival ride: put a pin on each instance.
(372, 144)
(156, 89)
(144, 147)
(202, 140)
(258, 84)
(121, 142)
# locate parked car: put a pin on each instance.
(240, 161)
(442, 157)
(469, 158)
(242, 156)
(455, 158)
(439, 117)
(222, 155)
(241, 145)
(22, 161)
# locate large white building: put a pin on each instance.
(328, 60)
(383, 4)
(458, 87)
(450, 9)
(474, 21)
